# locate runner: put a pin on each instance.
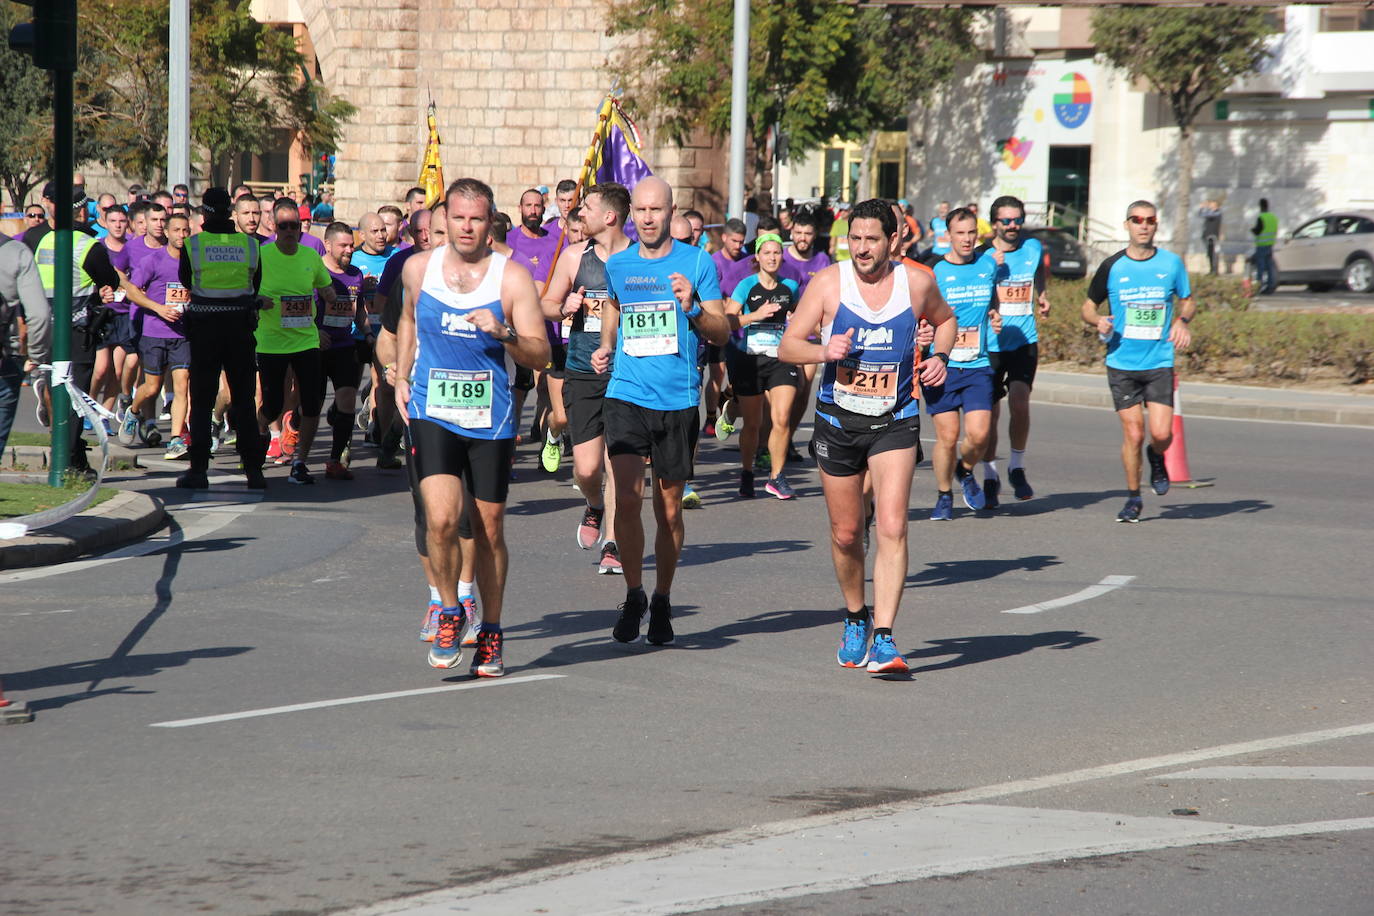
(868, 416)
(392, 219)
(725, 259)
(578, 292)
(1014, 352)
(341, 364)
(759, 309)
(939, 231)
(1147, 289)
(467, 319)
(966, 283)
(287, 338)
(371, 259)
(162, 341)
(662, 296)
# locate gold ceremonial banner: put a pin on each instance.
(432, 167)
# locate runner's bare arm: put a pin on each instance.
(1180, 335)
(610, 324)
(560, 285)
(808, 316)
(1103, 323)
(934, 310)
(413, 275)
(521, 301)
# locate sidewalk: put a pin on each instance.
(1208, 399)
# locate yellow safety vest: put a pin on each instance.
(222, 265)
(46, 256)
(1269, 230)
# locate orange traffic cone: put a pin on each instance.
(12, 712)
(1176, 455)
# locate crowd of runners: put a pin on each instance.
(602, 320)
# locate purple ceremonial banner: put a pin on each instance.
(619, 161)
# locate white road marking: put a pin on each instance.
(68, 610)
(1346, 426)
(856, 837)
(1109, 584)
(902, 847)
(1350, 774)
(348, 701)
(205, 523)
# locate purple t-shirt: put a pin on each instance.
(308, 240)
(724, 263)
(735, 271)
(338, 322)
(808, 268)
(119, 259)
(137, 248)
(156, 273)
(535, 254)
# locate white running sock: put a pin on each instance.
(433, 594)
(1017, 456)
(464, 589)
(990, 470)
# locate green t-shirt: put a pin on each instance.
(289, 325)
(839, 231)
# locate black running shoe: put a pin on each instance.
(631, 613)
(746, 484)
(193, 480)
(660, 631)
(1019, 486)
(990, 487)
(1131, 511)
(1159, 475)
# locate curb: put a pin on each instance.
(125, 517)
(1247, 404)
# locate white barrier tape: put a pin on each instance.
(88, 409)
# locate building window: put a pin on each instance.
(1346, 19)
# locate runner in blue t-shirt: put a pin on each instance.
(469, 316)
(1151, 304)
(1014, 353)
(967, 282)
(662, 296)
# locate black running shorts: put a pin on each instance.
(752, 375)
(1009, 366)
(666, 437)
(1129, 387)
(841, 453)
(482, 464)
(583, 399)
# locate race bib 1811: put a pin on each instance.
(649, 328)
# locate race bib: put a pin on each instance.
(1144, 321)
(297, 311)
(340, 314)
(865, 388)
(177, 295)
(1014, 299)
(762, 338)
(649, 328)
(968, 344)
(368, 291)
(461, 398)
(591, 311)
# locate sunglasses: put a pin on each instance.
(1143, 220)
(1012, 220)
(288, 227)
(37, 215)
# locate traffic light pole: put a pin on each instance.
(63, 166)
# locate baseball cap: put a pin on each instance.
(543, 189)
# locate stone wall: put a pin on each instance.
(517, 84)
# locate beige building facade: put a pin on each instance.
(517, 84)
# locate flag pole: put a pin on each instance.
(603, 118)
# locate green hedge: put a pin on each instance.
(1229, 341)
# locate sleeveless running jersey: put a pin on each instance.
(462, 376)
(584, 335)
(875, 384)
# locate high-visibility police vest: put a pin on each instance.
(1269, 230)
(46, 256)
(222, 267)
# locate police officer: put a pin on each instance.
(93, 277)
(21, 289)
(221, 268)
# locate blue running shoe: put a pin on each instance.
(944, 508)
(854, 645)
(445, 651)
(973, 494)
(779, 487)
(1131, 511)
(1159, 475)
(690, 498)
(991, 487)
(1019, 485)
(884, 658)
(429, 628)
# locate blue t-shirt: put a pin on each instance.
(656, 345)
(372, 266)
(940, 228)
(1016, 296)
(968, 288)
(1142, 295)
(761, 338)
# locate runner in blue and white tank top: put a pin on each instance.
(578, 289)
(468, 318)
(867, 421)
(1014, 353)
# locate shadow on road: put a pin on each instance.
(700, 554)
(971, 650)
(956, 572)
(1202, 511)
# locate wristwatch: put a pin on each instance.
(510, 333)
(944, 357)
(1185, 320)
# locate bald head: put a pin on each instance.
(374, 233)
(651, 205)
(681, 230)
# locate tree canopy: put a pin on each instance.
(817, 69)
(1190, 56)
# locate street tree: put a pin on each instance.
(1190, 57)
(817, 69)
